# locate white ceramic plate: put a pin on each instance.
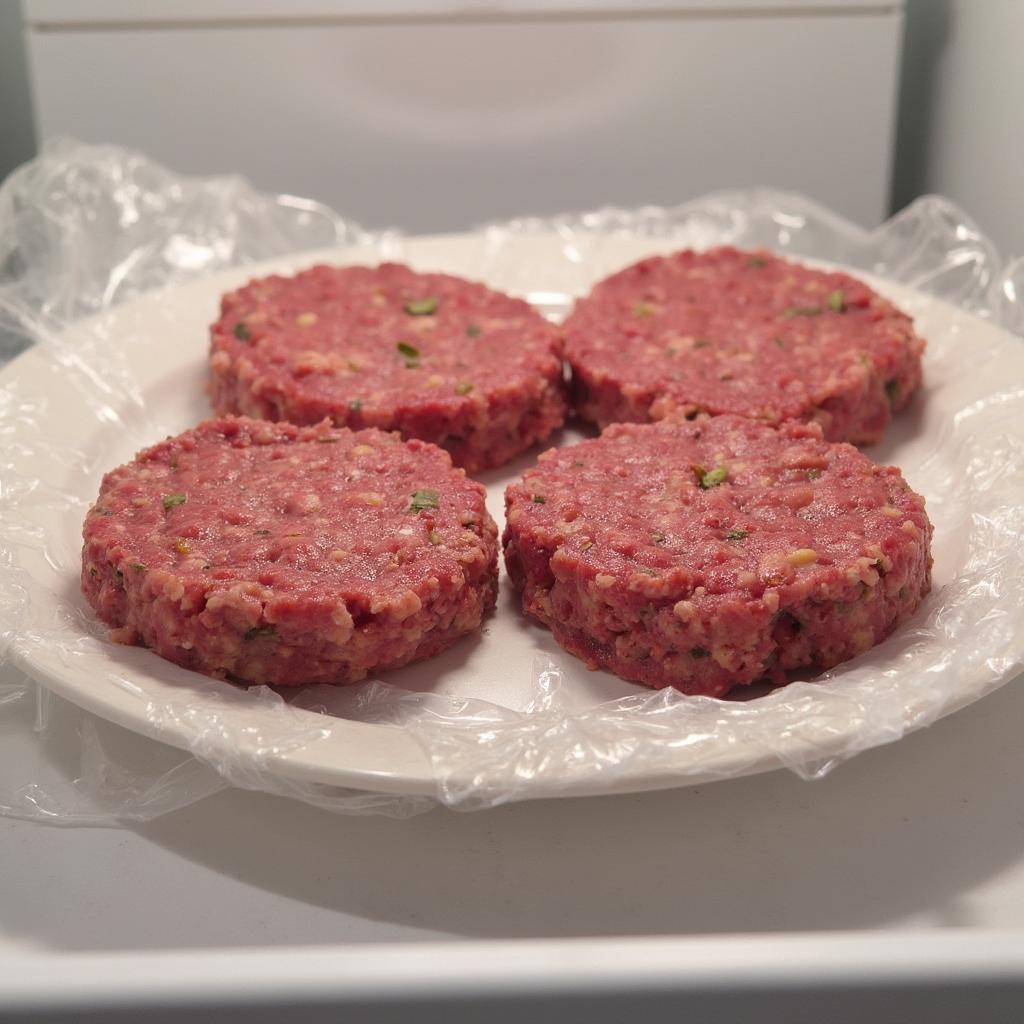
(151, 383)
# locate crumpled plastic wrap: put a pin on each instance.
(85, 228)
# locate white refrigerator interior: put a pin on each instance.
(892, 889)
(431, 115)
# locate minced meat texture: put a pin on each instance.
(711, 554)
(748, 333)
(430, 355)
(276, 554)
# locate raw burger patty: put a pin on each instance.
(709, 554)
(432, 356)
(269, 553)
(727, 331)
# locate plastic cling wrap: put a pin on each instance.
(111, 267)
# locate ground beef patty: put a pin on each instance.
(727, 331)
(710, 554)
(269, 553)
(429, 355)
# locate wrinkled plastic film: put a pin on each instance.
(83, 229)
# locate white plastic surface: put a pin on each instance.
(61, 12)
(434, 116)
(93, 393)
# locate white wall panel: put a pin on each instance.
(43, 12)
(962, 124)
(438, 126)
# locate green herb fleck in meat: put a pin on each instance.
(423, 499)
(242, 332)
(643, 309)
(757, 261)
(737, 535)
(105, 512)
(813, 474)
(473, 330)
(698, 652)
(539, 499)
(892, 390)
(577, 463)
(780, 342)
(463, 387)
(257, 631)
(326, 440)
(182, 546)
(701, 343)
(421, 307)
(802, 311)
(709, 478)
(355, 405)
(435, 537)
(658, 538)
(409, 353)
(171, 500)
(139, 566)
(262, 533)
(837, 301)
